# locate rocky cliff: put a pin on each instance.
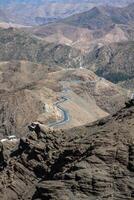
(95, 161)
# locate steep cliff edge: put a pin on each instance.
(95, 161)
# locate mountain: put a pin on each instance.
(34, 73)
(109, 44)
(102, 17)
(97, 27)
(83, 39)
(97, 49)
(128, 84)
(18, 45)
(28, 92)
(114, 62)
(89, 162)
(3, 17)
(104, 35)
(35, 12)
(63, 36)
(66, 100)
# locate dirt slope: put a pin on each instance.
(80, 38)
(28, 92)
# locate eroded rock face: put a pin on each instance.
(91, 162)
(1, 157)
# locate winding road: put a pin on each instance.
(64, 112)
(65, 119)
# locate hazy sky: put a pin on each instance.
(80, 1)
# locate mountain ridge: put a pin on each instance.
(100, 17)
(92, 161)
(42, 12)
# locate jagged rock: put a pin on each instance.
(131, 158)
(2, 160)
(129, 103)
(53, 190)
(90, 162)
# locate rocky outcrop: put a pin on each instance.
(95, 161)
(2, 161)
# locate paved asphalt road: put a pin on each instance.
(64, 112)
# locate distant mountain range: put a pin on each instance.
(3, 16)
(100, 39)
(66, 75)
(104, 34)
(35, 62)
(33, 12)
(102, 17)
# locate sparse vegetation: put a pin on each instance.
(17, 45)
(113, 62)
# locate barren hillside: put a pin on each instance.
(83, 39)
(16, 44)
(114, 62)
(66, 100)
(97, 27)
(28, 92)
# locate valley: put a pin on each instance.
(85, 59)
(29, 95)
(63, 60)
(106, 49)
(66, 100)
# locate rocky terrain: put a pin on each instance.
(102, 17)
(106, 49)
(16, 44)
(66, 132)
(40, 65)
(29, 90)
(95, 161)
(128, 84)
(80, 38)
(104, 35)
(113, 62)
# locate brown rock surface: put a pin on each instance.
(95, 161)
